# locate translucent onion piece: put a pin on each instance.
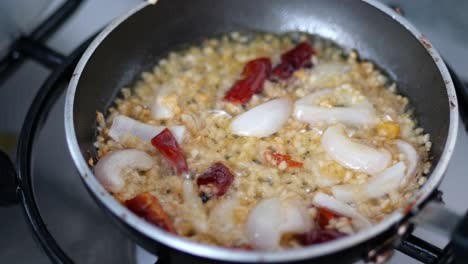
(111, 169)
(346, 115)
(270, 218)
(194, 206)
(262, 224)
(262, 120)
(412, 159)
(306, 110)
(224, 210)
(122, 125)
(323, 200)
(354, 155)
(383, 183)
(330, 69)
(160, 108)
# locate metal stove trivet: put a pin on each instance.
(32, 47)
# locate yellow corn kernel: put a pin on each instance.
(388, 129)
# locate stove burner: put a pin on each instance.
(31, 46)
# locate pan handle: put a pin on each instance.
(438, 218)
(8, 181)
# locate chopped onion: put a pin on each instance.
(306, 110)
(323, 200)
(160, 110)
(224, 210)
(323, 179)
(313, 97)
(194, 206)
(348, 192)
(111, 169)
(262, 120)
(125, 125)
(270, 218)
(383, 183)
(354, 155)
(294, 217)
(412, 159)
(330, 69)
(346, 115)
(218, 112)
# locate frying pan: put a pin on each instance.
(134, 42)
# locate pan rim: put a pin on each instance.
(223, 254)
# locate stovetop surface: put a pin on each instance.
(80, 226)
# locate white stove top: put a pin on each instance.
(444, 23)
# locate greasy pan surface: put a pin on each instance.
(134, 43)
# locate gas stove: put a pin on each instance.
(78, 226)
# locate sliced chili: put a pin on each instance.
(254, 75)
(277, 159)
(147, 206)
(292, 60)
(325, 215)
(217, 178)
(166, 143)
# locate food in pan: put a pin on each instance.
(262, 142)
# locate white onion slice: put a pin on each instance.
(306, 110)
(329, 69)
(354, 155)
(346, 115)
(218, 112)
(270, 218)
(111, 169)
(323, 200)
(262, 120)
(122, 125)
(294, 217)
(313, 97)
(223, 210)
(383, 183)
(194, 206)
(412, 158)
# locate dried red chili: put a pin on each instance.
(293, 60)
(254, 75)
(282, 71)
(325, 215)
(317, 236)
(218, 178)
(166, 143)
(147, 206)
(277, 159)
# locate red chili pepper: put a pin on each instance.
(278, 158)
(147, 206)
(293, 60)
(254, 75)
(218, 177)
(166, 143)
(325, 215)
(282, 71)
(318, 236)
